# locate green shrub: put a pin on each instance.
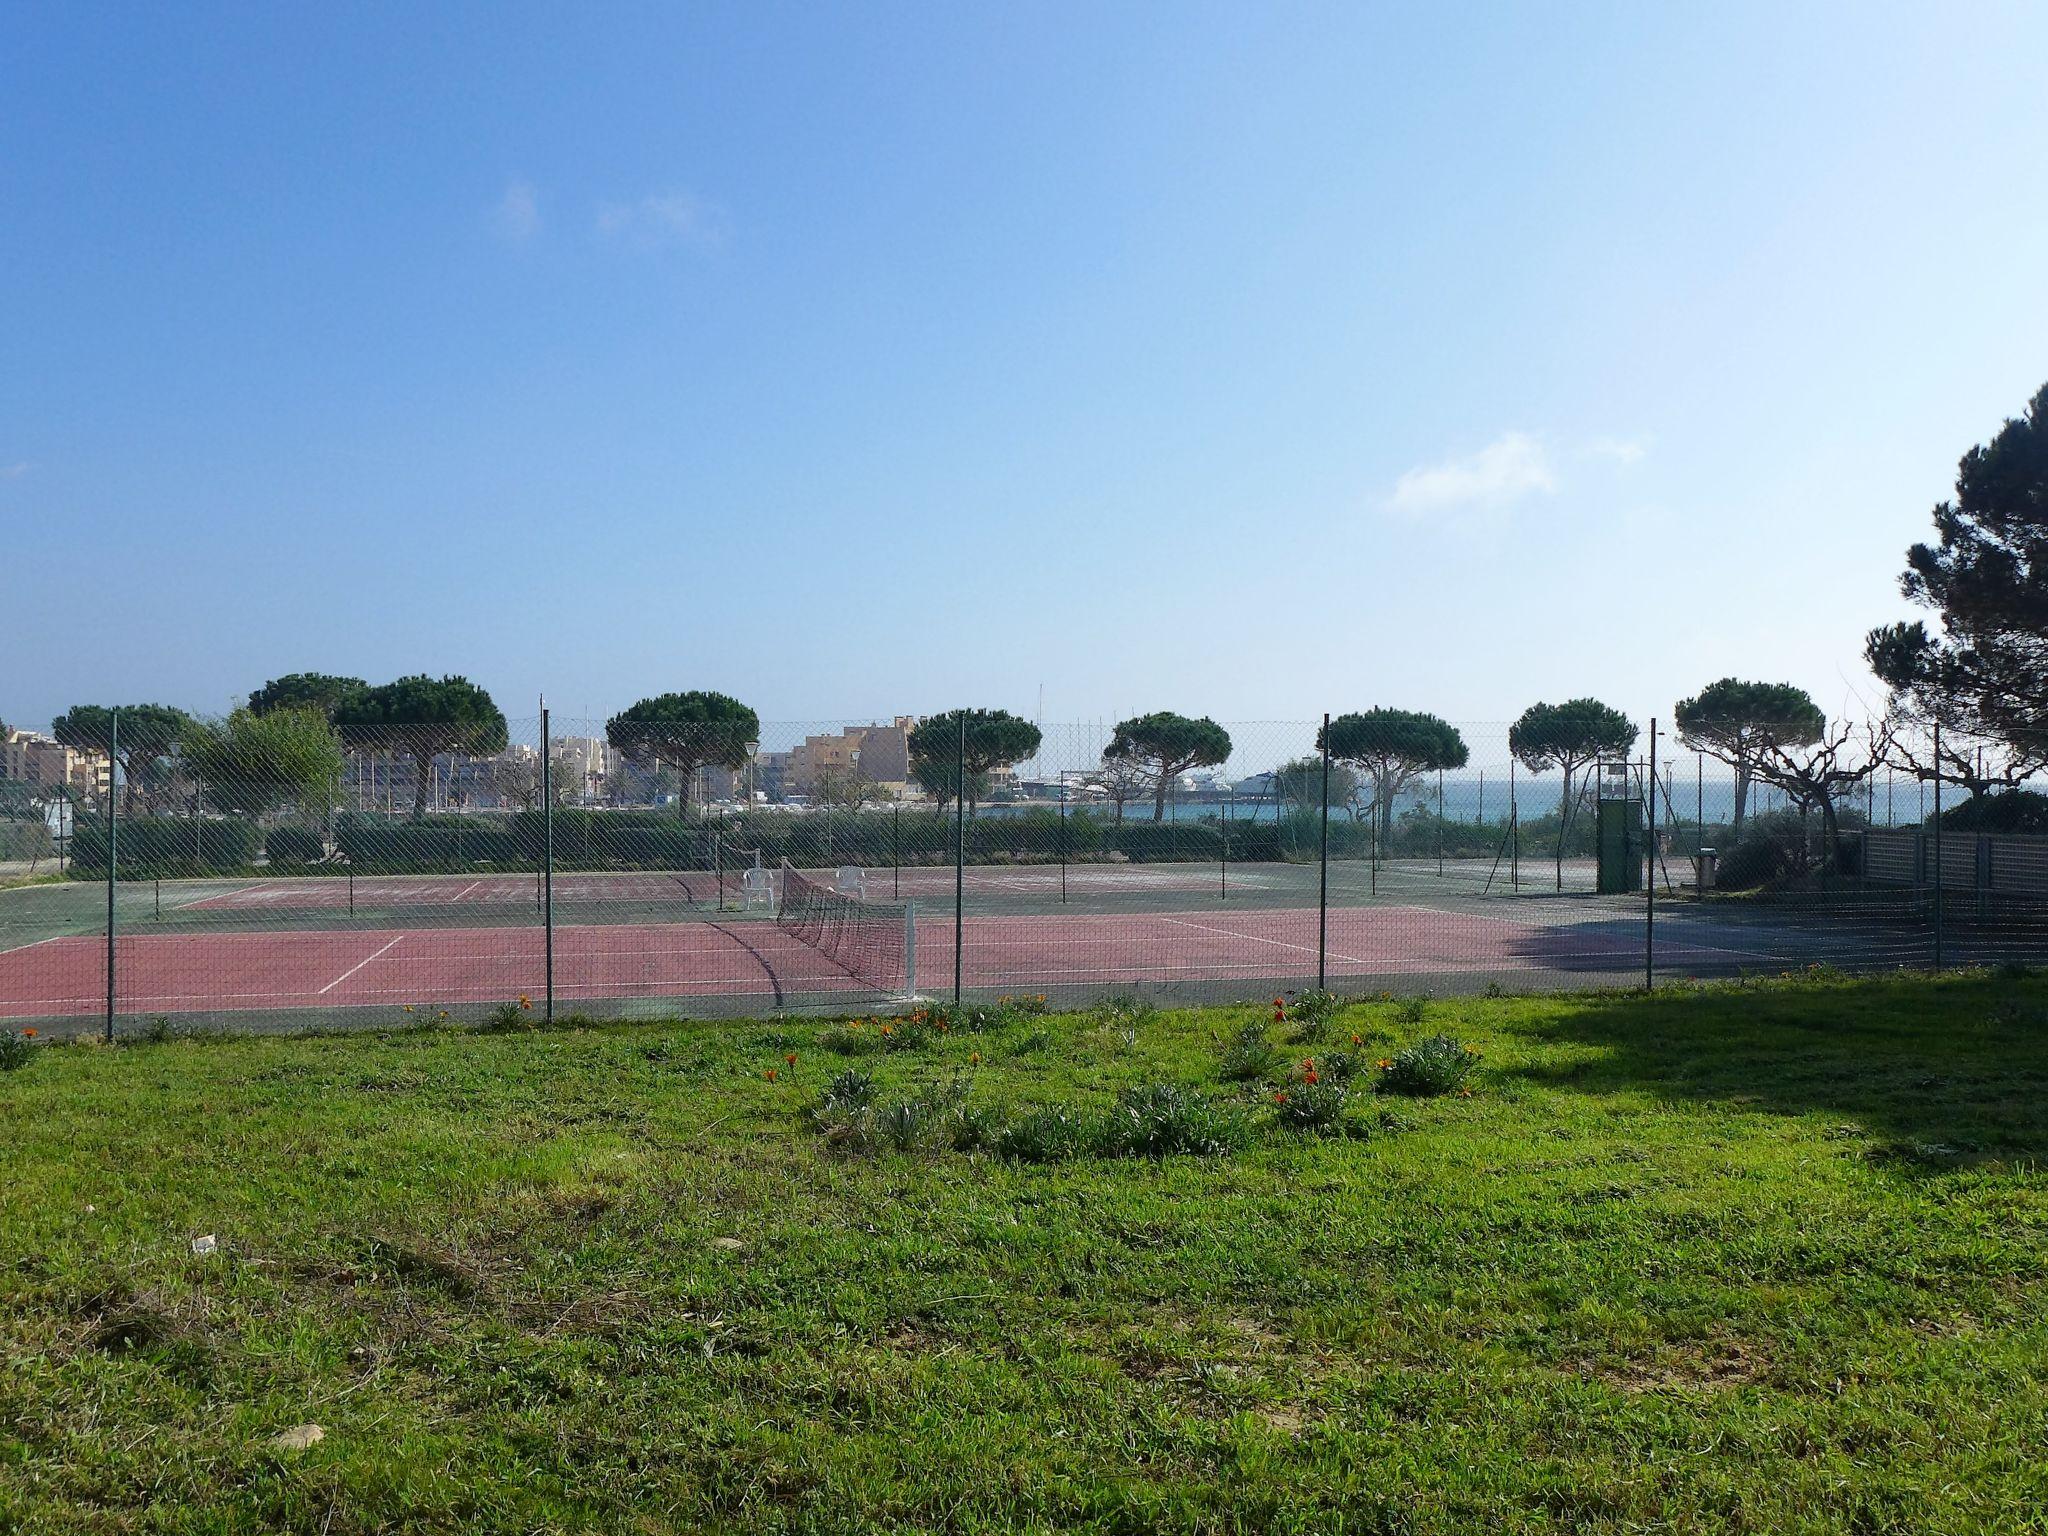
(1315, 1006)
(1045, 1135)
(904, 1126)
(294, 845)
(1123, 1012)
(850, 1089)
(853, 1038)
(2009, 810)
(969, 1128)
(1430, 1067)
(1340, 1067)
(1412, 1010)
(1163, 1119)
(507, 1018)
(1316, 1107)
(17, 1047)
(1248, 1055)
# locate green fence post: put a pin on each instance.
(959, 853)
(1323, 873)
(547, 817)
(113, 850)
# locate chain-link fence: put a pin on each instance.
(290, 873)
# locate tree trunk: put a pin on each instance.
(1741, 797)
(1159, 793)
(1832, 829)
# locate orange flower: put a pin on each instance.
(1383, 1064)
(29, 1033)
(888, 1030)
(525, 1001)
(974, 1060)
(1280, 1098)
(769, 1074)
(1310, 1077)
(790, 1058)
(1464, 1093)
(1358, 1039)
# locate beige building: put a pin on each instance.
(879, 753)
(35, 759)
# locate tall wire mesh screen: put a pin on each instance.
(291, 875)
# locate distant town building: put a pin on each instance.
(879, 754)
(30, 758)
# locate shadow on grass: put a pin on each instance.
(1945, 1073)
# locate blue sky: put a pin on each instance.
(1243, 360)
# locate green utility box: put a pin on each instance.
(1621, 847)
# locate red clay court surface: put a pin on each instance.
(923, 881)
(174, 973)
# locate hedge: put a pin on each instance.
(294, 845)
(166, 847)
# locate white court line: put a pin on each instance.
(1232, 933)
(22, 949)
(344, 976)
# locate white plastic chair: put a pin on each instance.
(757, 888)
(852, 881)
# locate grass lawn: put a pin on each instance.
(1767, 1258)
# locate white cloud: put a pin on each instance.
(663, 218)
(13, 471)
(517, 215)
(1619, 450)
(1513, 466)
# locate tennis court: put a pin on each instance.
(375, 951)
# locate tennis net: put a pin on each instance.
(872, 941)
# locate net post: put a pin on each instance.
(1323, 872)
(113, 851)
(547, 817)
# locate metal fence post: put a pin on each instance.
(1937, 844)
(1439, 823)
(1223, 875)
(547, 821)
(1650, 875)
(959, 852)
(1063, 839)
(113, 850)
(1323, 871)
(1514, 829)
